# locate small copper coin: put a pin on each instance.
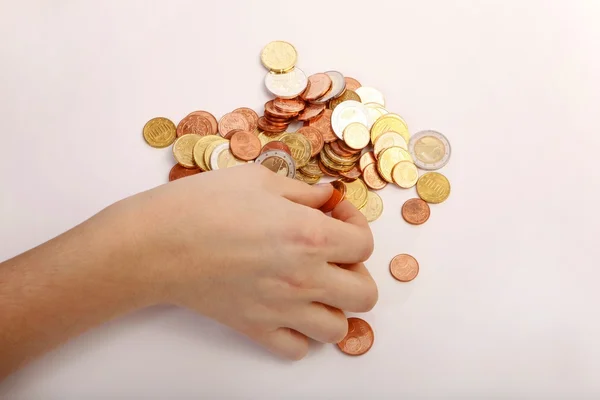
(404, 267)
(344, 147)
(231, 121)
(337, 149)
(231, 133)
(416, 211)
(351, 83)
(372, 178)
(366, 159)
(289, 105)
(354, 173)
(311, 112)
(245, 145)
(319, 84)
(359, 339)
(250, 115)
(323, 124)
(196, 124)
(314, 137)
(178, 172)
(214, 125)
(274, 112)
(327, 171)
(337, 195)
(266, 126)
(276, 145)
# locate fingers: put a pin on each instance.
(319, 322)
(350, 287)
(286, 343)
(302, 193)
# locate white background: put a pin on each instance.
(506, 303)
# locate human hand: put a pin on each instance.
(250, 249)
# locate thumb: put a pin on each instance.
(302, 193)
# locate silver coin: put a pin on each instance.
(287, 85)
(370, 95)
(376, 110)
(347, 112)
(430, 150)
(279, 162)
(338, 85)
(222, 157)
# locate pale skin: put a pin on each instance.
(243, 246)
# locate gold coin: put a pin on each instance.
(356, 192)
(300, 148)
(264, 138)
(433, 187)
(210, 149)
(373, 208)
(347, 95)
(356, 136)
(160, 132)
(388, 159)
(310, 179)
(200, 149)
(405, 174)
(312, 168)
(387, 140)
(389, 123)
(279, 56)
(183, 150)
(375, 110)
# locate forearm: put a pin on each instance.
(60, 289)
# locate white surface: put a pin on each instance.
(506, 304)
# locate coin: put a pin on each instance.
(250, 116)
(279, 56)
(222, 157)
(366, 159)
(276, 145)
(405, 174)
(269, 127)
(346, 113)
(299, 146)
(279, 162)
(310, 179)
(289, 105)
(337, 148)
(200, 148)
(245, 145)
(319, 84)
(356, 136)
(373, 209)
(326, 170)
(287, 85)
(323, 124)
(375, 111)
(214, 127)
(311, 111)
(415, 211)
(359, 339)
(389, 123)
(231, 121)
(433, 187)
(370, 95)
(194, 124)
(386, 140)
(351, 83)
(209, 151)
(312, 168)
(388, 159)
(274, 113)
(372, 178)
(404, 267)
(353, 173)
(338, 86)
(159, 132)
(430, 150)
(178, 172)
(314, 137)
(337, 195)
(183, 150)
(356, 192)
(347, 95)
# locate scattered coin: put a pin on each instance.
(222, 157)
(214, 128)
(373, 208)
(286, 85)
(370, 95)
(415, 211)
(356, 136)
(279, 162)
(200, 149)
(194, 124)
(315, 138)
(356, 192)
(430, 150)
(405, 174)
(311, 111)
(323, 124)
(366, 159)
(347, 95)
(404, 267)
(178, 172)
(351, 83)
(372, 178)
(289, 105)
(299, 146)
(159, 132)
(318, 85)
(183, 150)
(389, 123)
(387, 140)
(388, 159)
(346, 113)
(338, 85)
(276, 145)
(359, 339)
(231, 121)
(433, 187)
(279, 56)
(250, 116)
(245, 145)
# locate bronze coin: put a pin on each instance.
(319, 85)
(250, 115)
(327, 171)
(372, 178)
(311, 112)
(289, 105)
(354, 173)
(366, 159)
(231, 121)
(323, 124)
(178, 172)
(194, 124)
(266, 126)
(335, 146)
(245, 145)
(314, 137)
(231, 133)
(351, 83)
(359, 339)
(347, 149)
(214, 125)
(273, 112)
(337, 195)
(404, 267)
(276, 145)
(416, 211)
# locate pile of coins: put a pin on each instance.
(343, 133)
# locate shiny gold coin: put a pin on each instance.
(312, 168)
(333, 165)
(405, 174)
(389, 123)
(356, 136)
(299, 146)
(279, 56)
(387, 140)
(209, 151)
(160, 132)
(388, 159)
(310, 179)
(347, 95)
(356, 192)
(183, 150)
(433, 187)
(264, 138)
(373, 208)
(200, 149)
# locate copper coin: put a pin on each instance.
(314, 137)
(178, 172)
(272, 111)
(231, 133)
(245, 145)
(416, 211)
(327, 171)
(337, 195)
(289, 105)
(359, 339)
(323, 124)
(354, 173)
(250, 115)
(196, 124)
(231, 121)
(404, 267)
(311, 112)
(276, 121)
(335, 146)
(319, 85)
(346, 148)
(266, 126)
(366, 159)
(214, 126)
(372, 178)
(276, 145)
(351, 83)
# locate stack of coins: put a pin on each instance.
(347, 135)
